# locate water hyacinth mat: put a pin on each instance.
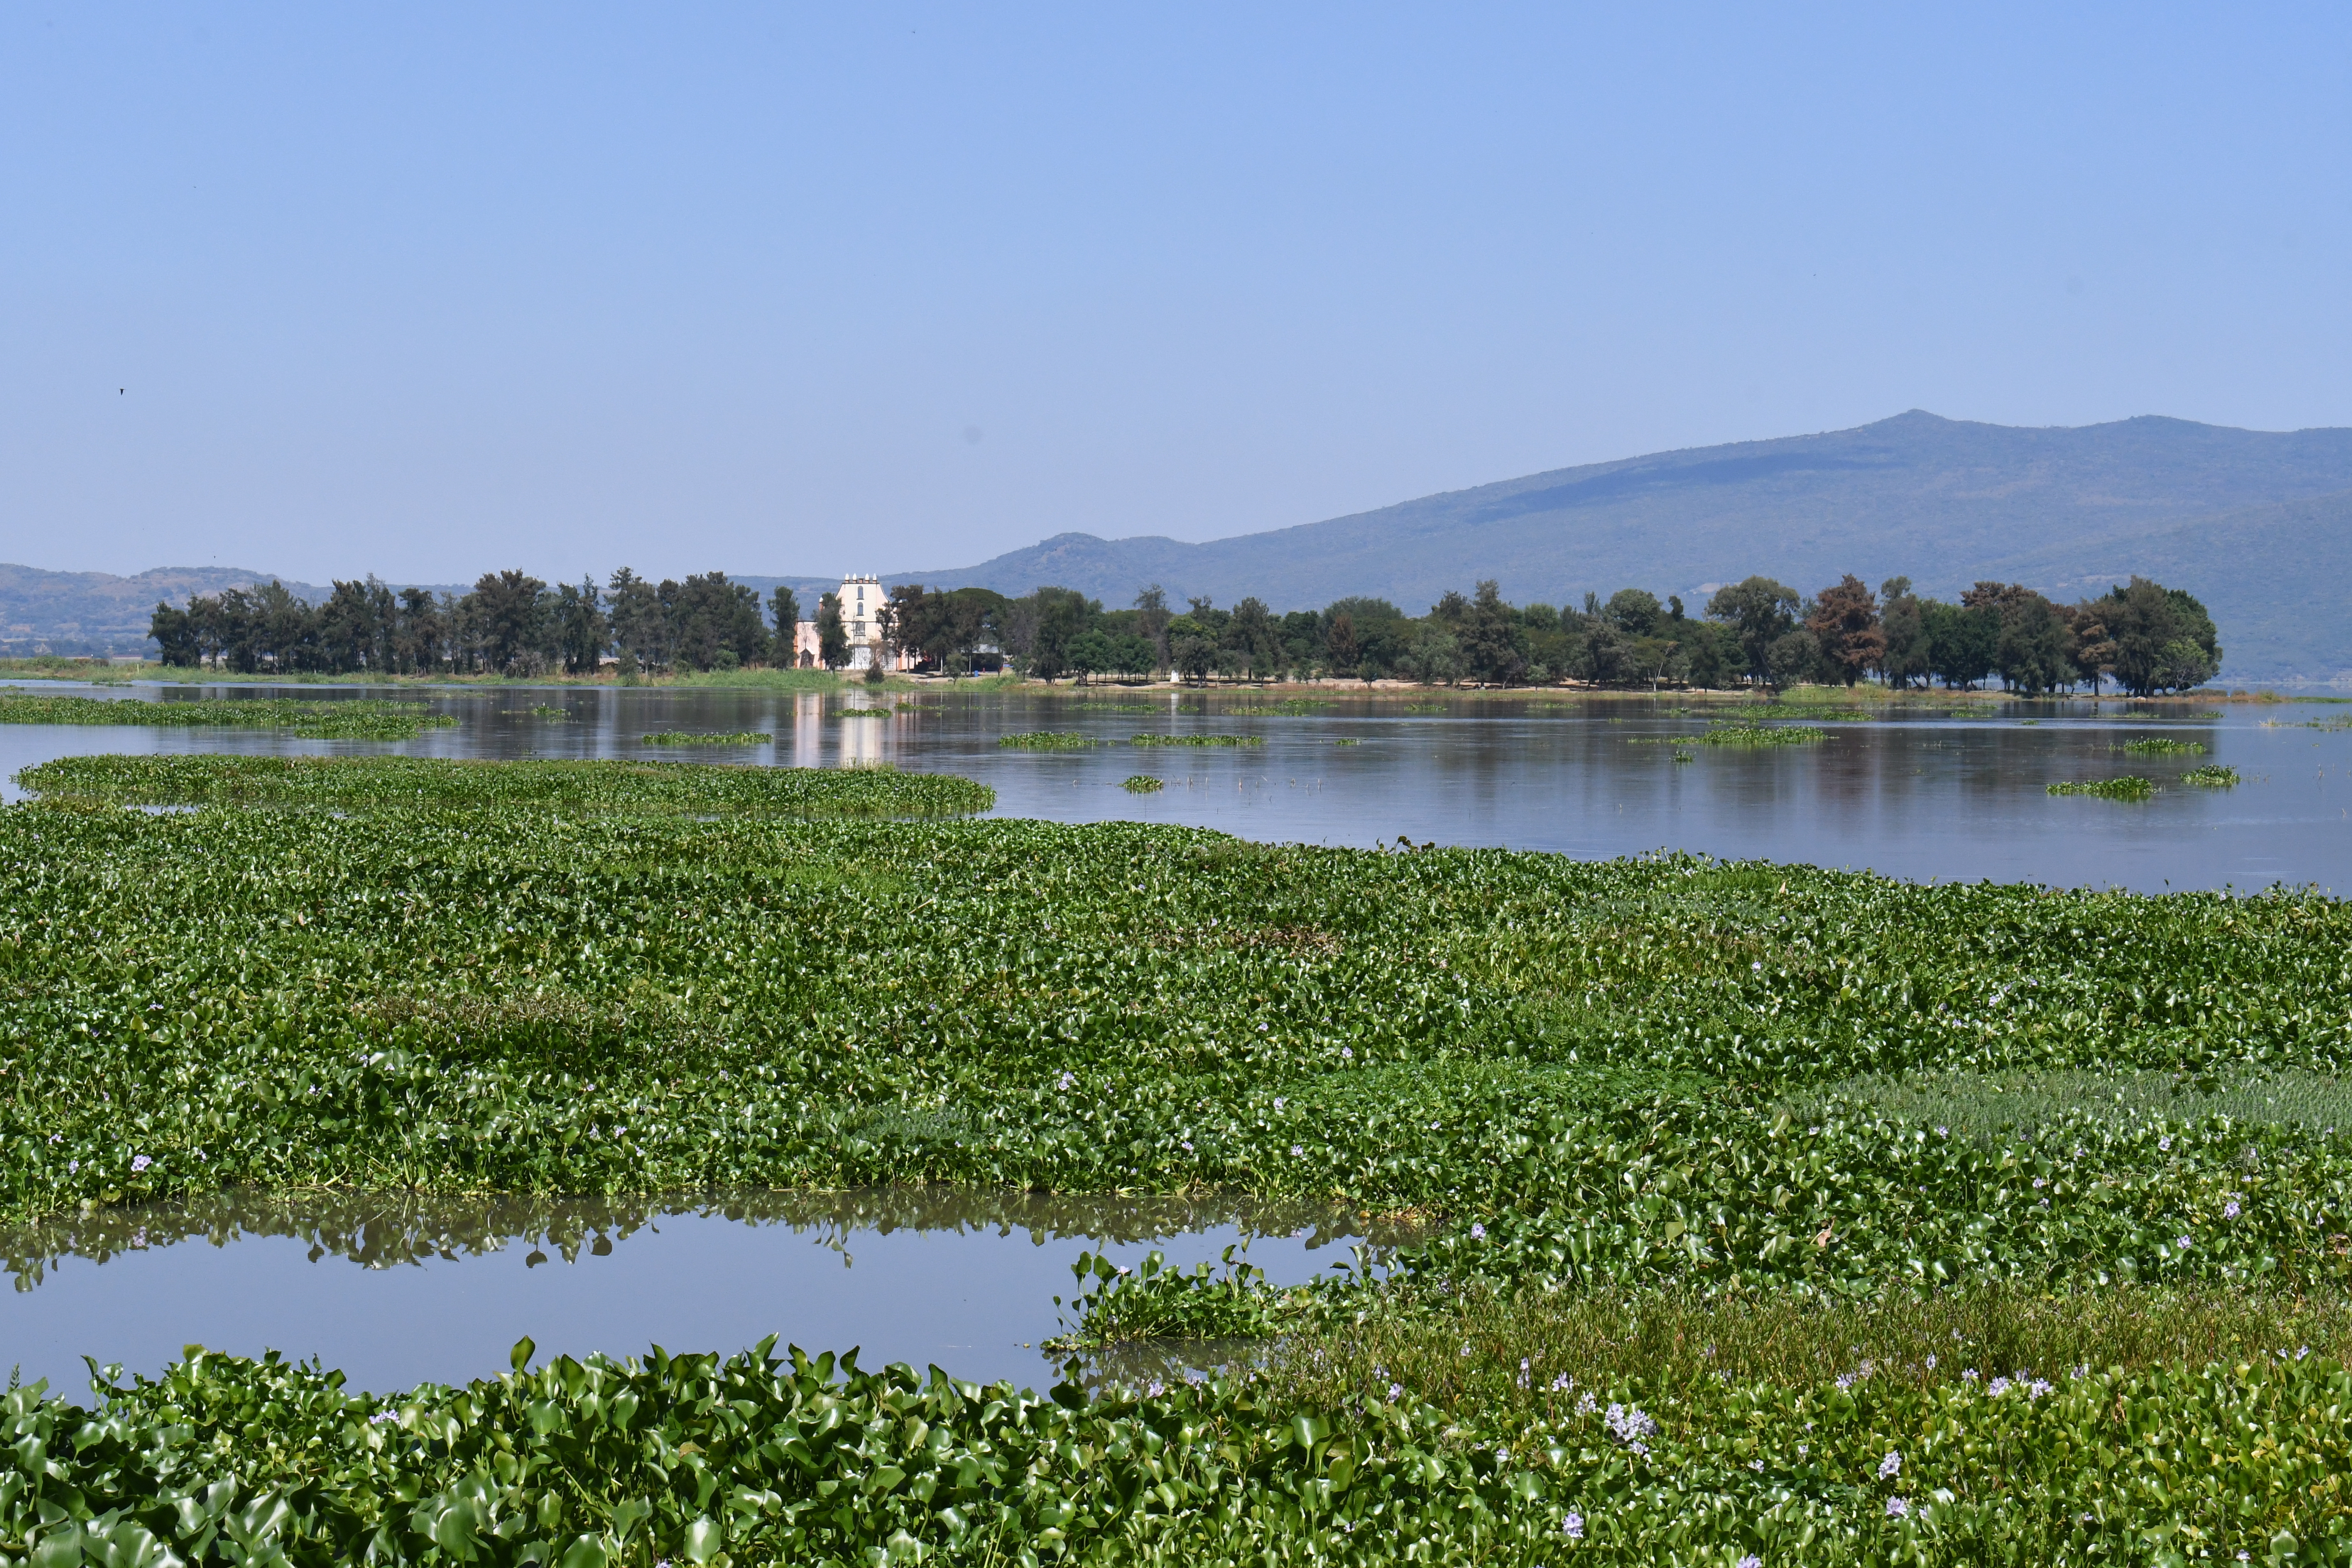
(1770, 1212)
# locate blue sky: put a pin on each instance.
(428, 290)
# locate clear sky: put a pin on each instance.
(426, 289)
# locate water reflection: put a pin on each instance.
(442, 1287)
(1921, 791)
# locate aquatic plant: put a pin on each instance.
(2129, 787)
(2163, 746)
(646, 788)
(1142, 784)
(359, 719)
(1046, 741)
(1424, 708)
(1760, 735)
(1198, 741)
(1288, 708)
(1762, 1102)
(862, 712)
(2213, 775)
(692, 738)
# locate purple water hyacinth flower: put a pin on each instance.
(1478, 1233)
(1896, 1507)
(1891, 1465)
(2184, 1244)
(140, 1162)
(2230, 1210)
(1573, 1525)
(1751, 1560)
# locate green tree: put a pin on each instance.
(785, 611)
(1341, 645)
(174, 631)
(1090, 653)
(1436, 657)
(1152, 618)
(1963, 642)
(581, 628)
(1763, 611)
(640, 622)
(832, 635)
(1493, 645)
(1906, 658)
(2162, 638)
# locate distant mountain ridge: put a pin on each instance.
(1939, 500)
(2256, 523)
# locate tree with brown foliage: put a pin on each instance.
(1845, 623)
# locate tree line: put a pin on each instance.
(2144, 637)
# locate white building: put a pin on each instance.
(861, 599)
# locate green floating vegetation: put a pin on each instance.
(1198, 741)
(2163, 746)
(549, 711)
(1347, 742)
(2213, 775)
(1709, 1159)
(2131, 786)
(1761, 736)
(359, 719)
(863, 712)
(696, 738)
(1047, 741)
(1424, 708)
(1288, 708)
(1682, 756)
(1121, 707)
(358, 784)
(1142, 784)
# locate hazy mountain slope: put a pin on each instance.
(98, 611)
(1936, 499)
(2278, 579)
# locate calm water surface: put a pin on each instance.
(393, 1291)
(396, 1290)
(1925, 795)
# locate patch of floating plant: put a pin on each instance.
(359, 719)
(862, 713)
(2131, 786)
(694, 738)
(1424, 707)
(2213, 775)
(1047, 741)
(1288, 708)
(1730, 734)
(1142, 784)
(2163, 746)
(650, 788)
(1198, 741)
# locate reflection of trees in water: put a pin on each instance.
(383, 1230)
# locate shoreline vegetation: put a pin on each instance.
(1766, 1212)
(1758, 632)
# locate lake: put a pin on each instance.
(1928, 795)
(393, 1291)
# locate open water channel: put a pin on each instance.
(394, 1292)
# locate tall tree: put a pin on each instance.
(784, 609)
(1152, 618)
(640, 623)
(1763, 611)
(1341, 645)
(1494, 646)
(509, 620)
(832, 635)
(1906, 658)
(174, 631)
(1845, 625)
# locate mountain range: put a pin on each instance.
(2236, 517)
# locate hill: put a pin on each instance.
(1941, 501)
(100, 612)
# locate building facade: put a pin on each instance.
(861, 600)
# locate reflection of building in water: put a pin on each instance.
(860, 740)
(862, 601)
(808, 729)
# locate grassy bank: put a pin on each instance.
(1739, 1147)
